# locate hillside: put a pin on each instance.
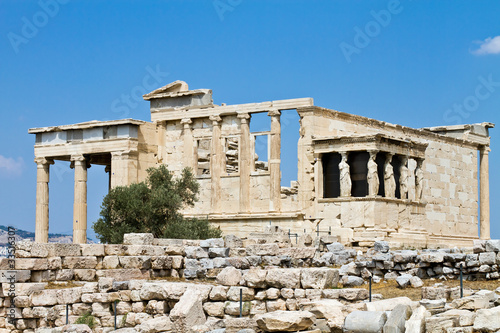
(23, 234)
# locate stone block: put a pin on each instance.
(157, 324)
(214, 309)
(351, 294)
(212, 242)
(283, 278)
(80, 262)
(319, 278)
(188, 311)
(233, 293)
(64, 250)
(487, 258)
(365, 321)
(432, 257)
(439, 324)
(96, 250)
(36, 264)
(219, 293)
(416, 323)
(492, 245)
(125, 274)
(233, 241)
(262, 249)
(196, 252)
(397, 318)
(255, 277)
(285, 321)
(487, 320)
(40, 250)
(221, 252)
(388, 304)
(229, 276)
(138, 239)
(140, 262)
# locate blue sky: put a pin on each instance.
(415, 63)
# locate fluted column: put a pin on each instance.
(80, 200)
(245, 163)
(275, 161)
(484, 177)
(188, 144)
(215, 164)
(42, 199)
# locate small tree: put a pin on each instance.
(152, 206)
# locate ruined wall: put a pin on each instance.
(450, 197)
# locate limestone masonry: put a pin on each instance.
(193, 286)
(362, 179)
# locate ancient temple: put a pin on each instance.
(358, 178)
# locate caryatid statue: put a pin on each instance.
(345, 176)
(419, 179)
(373, 180)
(389, 180)
(403, 178)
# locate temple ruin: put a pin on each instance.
(358, 178)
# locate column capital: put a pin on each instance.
(274, 113)
(123, 154)
(485, 150)
(243, 117)
(44, 160)
(186, 122)
(373, 151)
(77, 158)
(215, 119)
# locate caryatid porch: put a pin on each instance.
(116, 144)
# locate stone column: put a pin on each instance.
(245, 163)
(80, 200)
(389, 180)
(484, 176)
(107, 169)
(123, 168)
(345, 176)
(275, 161)
(403, 178)
(372, 177)
(419, 179)
(215, 164)
(188, 144)
(42, 199)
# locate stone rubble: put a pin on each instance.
(195, 286)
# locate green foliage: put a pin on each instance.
(152, 206)
(191, 229)
(87, 319)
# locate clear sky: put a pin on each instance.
(414, 63)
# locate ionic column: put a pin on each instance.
(245, 163)
(80, 200)
(372, 177)
(123, 168)
(216, 163)
(188, 144)
(107, 169)
(484, 177)
(275, 161)
(42, 199)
